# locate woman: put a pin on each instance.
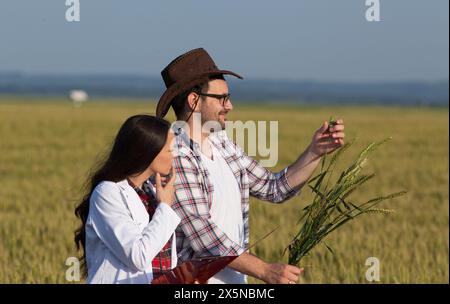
(127, 231)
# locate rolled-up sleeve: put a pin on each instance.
(265, 184)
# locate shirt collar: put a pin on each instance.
(216, 138)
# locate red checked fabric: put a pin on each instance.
(162, 261)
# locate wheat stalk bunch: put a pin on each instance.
(331, 208)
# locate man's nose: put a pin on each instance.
(228, 105)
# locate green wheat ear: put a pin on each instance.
(331, 122)
(381, 211)
(330, 209)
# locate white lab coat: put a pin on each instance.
(120, 241)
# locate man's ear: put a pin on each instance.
(192, 101)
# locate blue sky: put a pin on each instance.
(324, 40)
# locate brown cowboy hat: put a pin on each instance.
(185, 72)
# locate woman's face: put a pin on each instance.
(162, 164)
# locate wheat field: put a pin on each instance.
(47, 147)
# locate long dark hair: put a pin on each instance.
(138, 142)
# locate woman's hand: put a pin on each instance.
(327, 138)
(165, 194)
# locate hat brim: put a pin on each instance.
(179, 87)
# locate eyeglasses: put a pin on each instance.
(223, 98)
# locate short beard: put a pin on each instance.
(219, 123)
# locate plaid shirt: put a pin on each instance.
(163, 260)
(197, 236)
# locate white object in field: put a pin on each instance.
(78, 97)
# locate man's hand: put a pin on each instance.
(327, 138)
(270, 273)
(281, 274)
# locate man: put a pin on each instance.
(215, 177)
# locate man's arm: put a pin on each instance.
(324, 141)
(263, 183)
(301, 170)
(207, 239)
(270, 273)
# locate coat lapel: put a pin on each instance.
(134, 203)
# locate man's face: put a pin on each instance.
(211, 108)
